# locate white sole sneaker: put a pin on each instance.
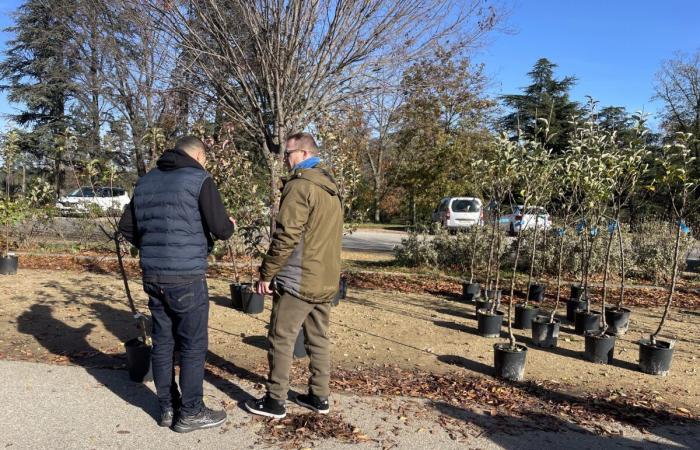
(312, 408)
(260, 412)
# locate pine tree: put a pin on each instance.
(546, 97)
(38, 76)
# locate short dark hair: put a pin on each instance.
(307, 141)
(190, 143)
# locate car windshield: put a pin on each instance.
(82, 192)
(465, 206)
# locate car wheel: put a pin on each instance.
(512, 230)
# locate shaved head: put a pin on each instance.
(192, 145)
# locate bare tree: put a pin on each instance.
(276, 66)
(678, 86)
(139, 69)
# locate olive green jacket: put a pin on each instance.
(304, 255)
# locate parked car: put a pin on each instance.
(455, 213)
(85, 199)
(534, 216)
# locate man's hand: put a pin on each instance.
(263, 288)
(233, 221)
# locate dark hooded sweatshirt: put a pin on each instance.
(213, 217)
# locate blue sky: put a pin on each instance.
(613, 47)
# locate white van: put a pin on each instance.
(456, 213)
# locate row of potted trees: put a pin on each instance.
(589, 185)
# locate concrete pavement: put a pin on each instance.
(51, 406)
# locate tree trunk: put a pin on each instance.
(606, 272)
(377, 199)
(652, 338)
(561, 256)
(471, 261)
(621, 299)
(532, 263)
(511, 337)
(586, 272)
(490, 264)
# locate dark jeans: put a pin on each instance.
(180, 315)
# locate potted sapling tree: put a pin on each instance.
(632, 159)
(595, 193)
(534, 182)
(599, 344)
(545, 328)
(678, 184)
(509, 358)
(501, 171)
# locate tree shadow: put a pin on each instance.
(465, 363)
(561, 351)
(543, 430)
(464, 328)
(457, 313)
(72, 343)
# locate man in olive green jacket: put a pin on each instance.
(304, 261)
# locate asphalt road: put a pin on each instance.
(373, 241)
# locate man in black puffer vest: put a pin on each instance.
(173, 217)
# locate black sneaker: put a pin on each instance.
(267, 406)
(206, 418)
(314, 403)
(166, 417)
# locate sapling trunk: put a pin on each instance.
(652, 338)
(586, 272)
(532, 263)
(233, 261)
(471, 261)
(488, 270)
(497, 300)
(561, 256)
(583, 256)
(621, 298)
(511, 338)
(605, 277)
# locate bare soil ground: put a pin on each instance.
(82, 318)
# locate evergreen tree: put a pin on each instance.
(38, 78)
(546, 97)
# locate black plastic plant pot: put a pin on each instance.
(470, 291)
(236, 300)
(577, 292)
(573, 305)
(8, 265)
(138, 360)
(509, 363)
(300, 345)
(252, 302)
(618, 320)
(524, 316)
(655, 359)
(489, 325)
(482, 303)
(586, 322)
(600, 347)
(544, 333)
(536, 293)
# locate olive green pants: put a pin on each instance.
(289, 314)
